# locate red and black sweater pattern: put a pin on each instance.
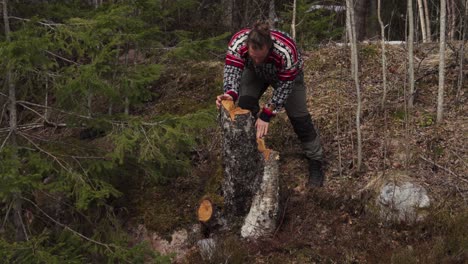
(282, 65)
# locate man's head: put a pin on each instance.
(259, 42)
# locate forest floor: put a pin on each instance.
(335, 224)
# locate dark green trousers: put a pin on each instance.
(252, 87)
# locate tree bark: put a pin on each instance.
(360, 18)
(428, 21)
(228, 6)
(355, 69)
(250, 186)
(272, 13)
(262, 218)
(422, 20)
(20, 232)
(440, 94)
(293, 21)
(462, 49)
(384, 58)
(410, 53)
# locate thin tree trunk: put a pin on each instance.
(20, 233)
(349, 32)
(90, 102)
(126, 101)
(272, 13)
(384, 58)
(462, 50)
(452, 18)
(422, 20)
(46, 101)
(352, 34)
(228, 13)
(360, 14)
(410, 54)
(293, 21)
(428, 21)
(440, 94)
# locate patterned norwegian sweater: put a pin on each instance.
(282, 65)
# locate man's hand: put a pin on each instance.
(262, 128)
(222, 97)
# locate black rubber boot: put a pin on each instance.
(316, 176)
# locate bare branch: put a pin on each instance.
(107, 246)
(47, 153)
(51, 25)
(443, 168)
(60, 57)
(6, 139)
(6, 215)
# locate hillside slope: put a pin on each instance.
(335, 224)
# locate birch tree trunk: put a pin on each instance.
(452, 19)
(251, 178)
(428, 21)
(20, 231)
(410, 54)
(422, 21)
(384, 58)
(355, 67)
(440, 94)
(349, 32)
(293, 21)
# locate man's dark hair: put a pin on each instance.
(259, 36)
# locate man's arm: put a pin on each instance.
(235, 63)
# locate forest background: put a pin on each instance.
(106, 103)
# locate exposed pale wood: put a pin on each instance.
(205, 210)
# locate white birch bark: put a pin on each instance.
(355, 66)
(293, 22)
(384, 58)
(422, 21)
(440, 94)
(410, 53)
(428, 21)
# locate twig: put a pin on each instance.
(107, 246)
(6, 139)
(443, 168)
(60, 57)
(45, 152)
(6, 215)
(3, 111)
(22, 225)
(42, 23)
(458, 156)
(44, 118)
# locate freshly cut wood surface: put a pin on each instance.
(205, 210)
(263, 149)
(233, 110)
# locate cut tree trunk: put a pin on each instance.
(250, 186)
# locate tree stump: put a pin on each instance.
(250, 186)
